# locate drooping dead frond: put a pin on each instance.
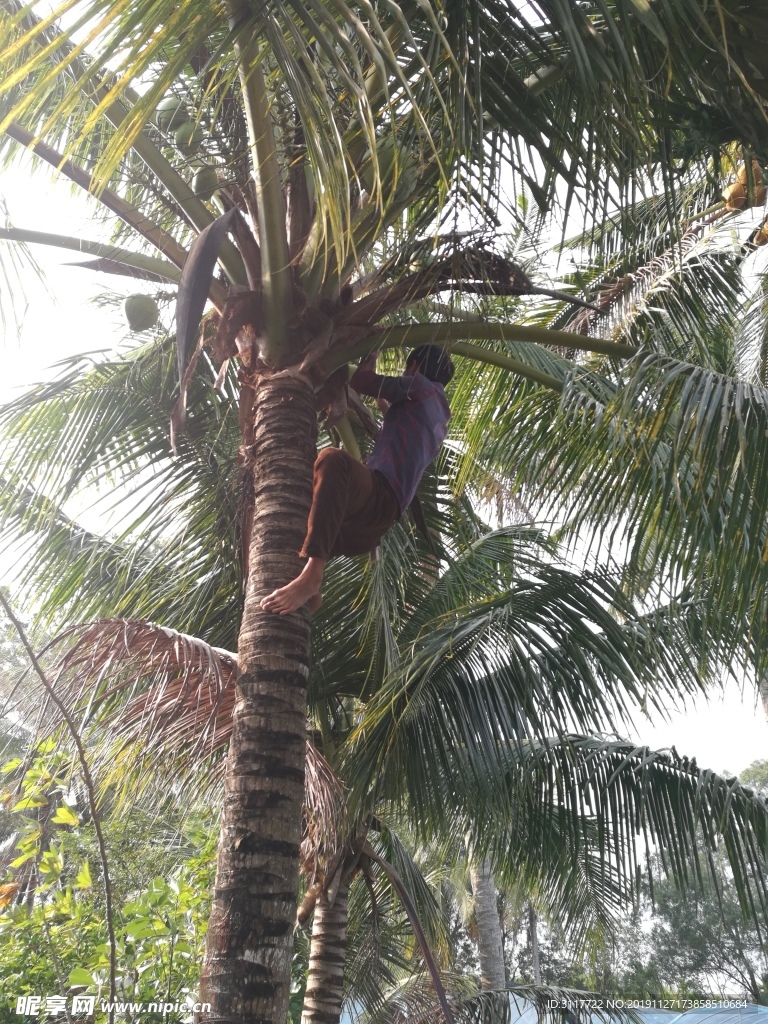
(138, 681)
(619, 300)
(142, 691)
(325, 826)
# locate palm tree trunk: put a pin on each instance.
(246, 972)
(763, 688)
(535, 959)
(322, 1000)
(489, 940)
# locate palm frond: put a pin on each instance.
(17, 265)
(627, 792)
(147, 696)
(542, 651)
(671, 457)
(103, 427)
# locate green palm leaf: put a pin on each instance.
(97, 425)
(537, 649)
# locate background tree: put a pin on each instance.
(756, 775)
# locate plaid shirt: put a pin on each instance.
(414, 427)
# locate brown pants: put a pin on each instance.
(352, 507)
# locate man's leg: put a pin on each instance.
(334, 472)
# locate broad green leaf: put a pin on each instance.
(51, 864)
(143, 929)
(79, 976)
(65, 816)
(18, 861)
(83, 879)
(35, 800)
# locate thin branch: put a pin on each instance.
(480, 355)
(166, 243)
(504, 288)
(87, 779)
(455, 312)
(484, 355)
(444, 333)
(112, 252)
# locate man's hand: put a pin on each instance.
(369, 363)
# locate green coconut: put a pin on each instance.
(171, 113)
(205, 182)
(189, 137)
(141, 312)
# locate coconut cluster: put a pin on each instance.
(174, 117)
(737, 195)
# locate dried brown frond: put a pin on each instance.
(618, 298)
(373, 306)
(325, 824)
(158, 705)
(608, 298)
(149, 682)
(8, 893)
(240, 327)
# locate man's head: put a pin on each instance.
(432, 361)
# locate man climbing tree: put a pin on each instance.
(354, 504)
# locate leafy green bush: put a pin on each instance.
(53, 930)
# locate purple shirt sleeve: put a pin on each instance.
(393, 389)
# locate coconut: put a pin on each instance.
(741, 174)
(205, 182)
(141, 312)
(189, 137)
(735, 196)
(760, 237)
(171, 113)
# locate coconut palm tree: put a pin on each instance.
(329, 125)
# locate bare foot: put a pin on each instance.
(305, 588)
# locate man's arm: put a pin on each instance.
(394, 389)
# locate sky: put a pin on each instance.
(726, 732)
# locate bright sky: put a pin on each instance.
(727, 733)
